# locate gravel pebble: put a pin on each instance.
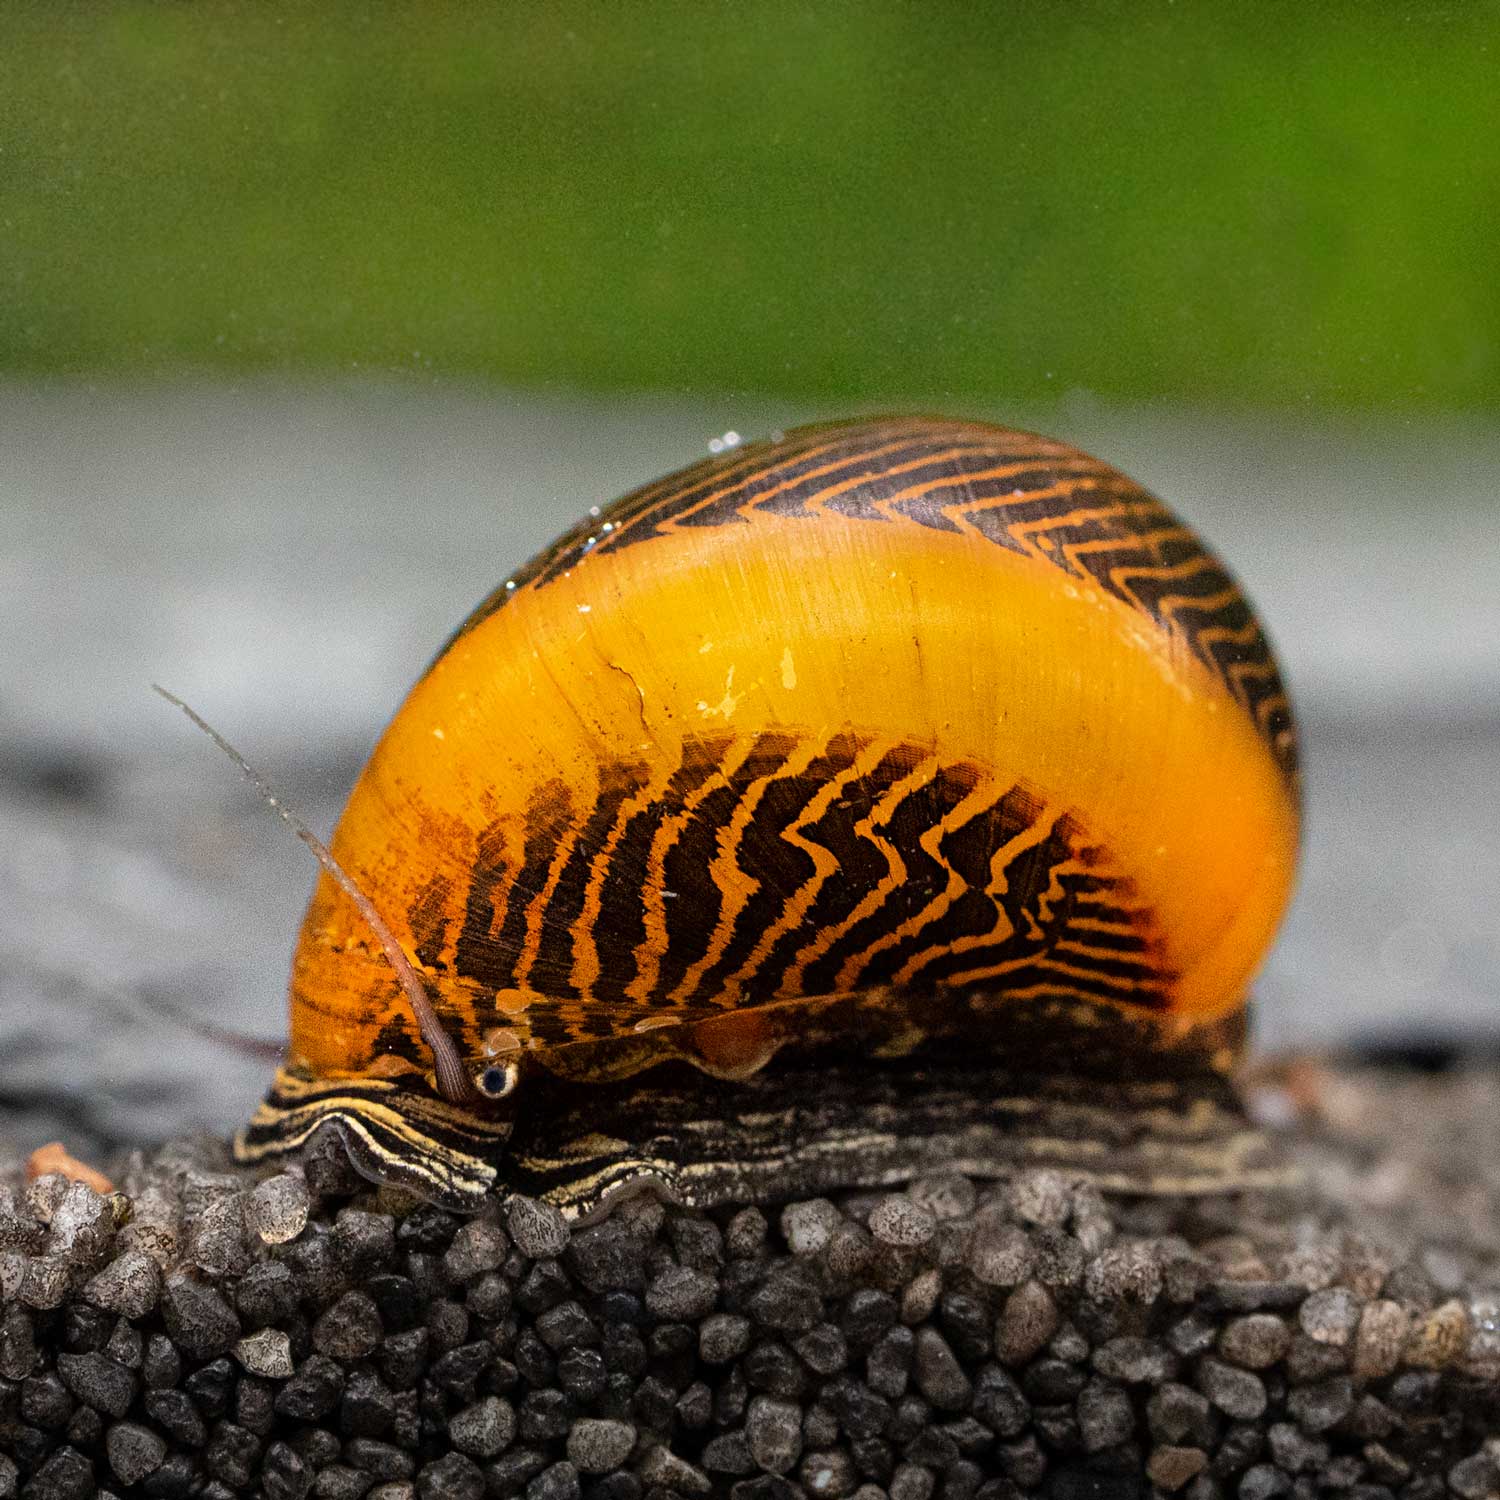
(313, 1391)
(1027, 1322)
(1264, 1482)
(1475, 1478)
(1001, 1254)
(1296, 1452)
(1441, 1337)
(787, 1301)
(660, 1466)
(48, 1280)
(266, 1294)
(1330, 1316)
(1318, 1407)
(537, 1229)
(1136, 1361)
(477, 1247)
(773, 1433)
(350, 1329)
(558, 1481)
(129, 1285)
(1124, 1273)
(1170, 1468)
(277, 1209)
(1255, 1341)
(912, 1482)
(729, 1454)
(134, 1451)
(267, 1353)
(200, 1321)
(66, 1475)
(454, 1476)
(1253, 1294)
(1379, 1340)
(384, 1461)
(723, 1337)
(888, 1364)
(828, 1473)
(937, 1372)
(99, 1381)
(82, 1223)
(1237, 1393)
(598, 1444)
(808, 1227)
(1105, 1415)
(899, 1221)
(484, 1429)
(947, 1195)
(216, 1238)
(1041, 1197)
(921, 1296)
(1176, 1413)
(680, 1292)
(823, 1349)
(18, 1351)
(745, 1235)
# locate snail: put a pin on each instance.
(888, 793)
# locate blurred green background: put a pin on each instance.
(1268, 205)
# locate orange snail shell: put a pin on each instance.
(872, 734)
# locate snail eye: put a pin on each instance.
(496, 1081)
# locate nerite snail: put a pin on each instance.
(939, 759)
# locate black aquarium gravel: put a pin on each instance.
(203, 1333)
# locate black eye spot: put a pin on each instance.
(495, 1081)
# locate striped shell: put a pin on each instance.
(909, 709)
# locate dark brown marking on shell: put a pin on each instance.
(429, 921)
(795, 868)
(693, 913)
(489, 956)
(476, 948)
(776, 867)
(1031, 495)
(859, 864)
(621, 927)
(551, 969)
(399, 1038)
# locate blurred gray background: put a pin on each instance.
(288, 558)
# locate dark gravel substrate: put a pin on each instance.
(198, 1334)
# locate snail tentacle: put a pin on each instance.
(453, 1079)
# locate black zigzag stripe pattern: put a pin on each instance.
(773, 866)
(1031, 495)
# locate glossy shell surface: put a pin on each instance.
(904, 706)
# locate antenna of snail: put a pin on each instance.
(452, 1078)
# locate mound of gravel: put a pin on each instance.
(204, 1333)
